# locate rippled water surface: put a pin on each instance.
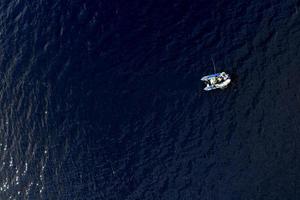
(103, 100)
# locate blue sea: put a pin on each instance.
(102, 100)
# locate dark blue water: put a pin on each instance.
(103, 100)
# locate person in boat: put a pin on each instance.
(217, 80)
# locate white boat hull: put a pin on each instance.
(212, 83)
(222, 85)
